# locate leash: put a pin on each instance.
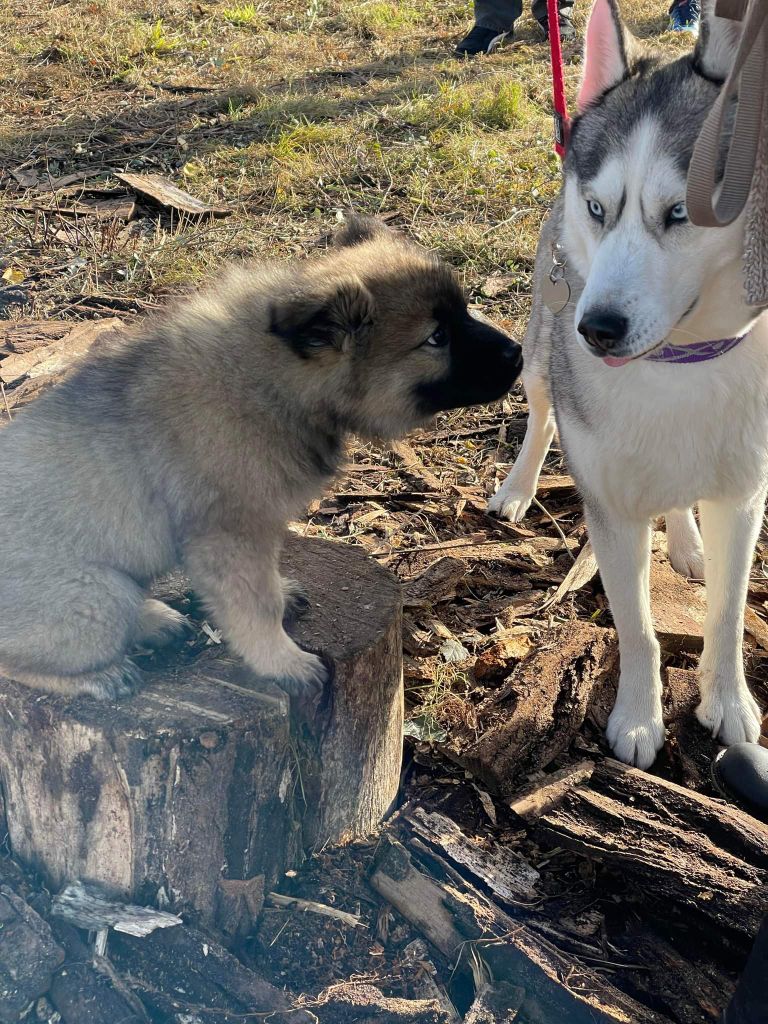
(562, 121)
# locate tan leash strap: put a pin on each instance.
(747, 79)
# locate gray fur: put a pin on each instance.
(197, 439)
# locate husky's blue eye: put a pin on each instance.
(596, 211)
(677, 214)
(438, 338)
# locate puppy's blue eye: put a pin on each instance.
(596, 211)
(677, 214)
(438, 338)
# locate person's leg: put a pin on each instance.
(565, 7)
(493, 23)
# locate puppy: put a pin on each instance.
(196, 440)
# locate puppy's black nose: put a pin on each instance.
(603, 329)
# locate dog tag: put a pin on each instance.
(556, 293)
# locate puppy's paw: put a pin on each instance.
(159, 624)
(114, 683)
(510, 502)
(732, 716)
(304, 676)
(635, 739)
(296, 598)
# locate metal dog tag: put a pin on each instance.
(555, 290)
(556, 293)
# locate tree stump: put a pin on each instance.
(206, 775)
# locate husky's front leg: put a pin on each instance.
(238, 579)
(730, 533)
(515, 495)
(623, 549)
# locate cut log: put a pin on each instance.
(29, 955)
(534, 717)
(457, 917)
(687, 855)
(203, 776)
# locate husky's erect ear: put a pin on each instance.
(717, 43)
(358, 229)
(610, 50)
(338, 316)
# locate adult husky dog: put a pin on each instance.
(656, 368)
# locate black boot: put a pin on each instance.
(750, 1000)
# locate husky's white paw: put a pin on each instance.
(686, 556)
(635, 739)
(511, 502)
(304, 676)
(731, 715)
(686, 553)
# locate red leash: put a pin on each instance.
(562, 121)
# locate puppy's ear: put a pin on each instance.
(610, 51)
(339, 317)
(358, 229)
(717, 43)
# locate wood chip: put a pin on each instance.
(678, 607)
(161, 190)
(59, 354)
(438, 582)
(582, 572)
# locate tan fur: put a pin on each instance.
(195, 441)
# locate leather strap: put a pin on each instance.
(748, 79)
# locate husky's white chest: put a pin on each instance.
(648, 437)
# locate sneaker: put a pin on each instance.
(567, 31)
(480, 40)
(684, 16)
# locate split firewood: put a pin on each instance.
(59, 354)
(163, 192)
(438, 582)
(29, 955)
(689, 856)
(509, 876)
(456, 917)
(678, 607)
(22, 336)
(536, 714)
(180, 971)
(497, 1003)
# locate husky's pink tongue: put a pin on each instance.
(615, 360)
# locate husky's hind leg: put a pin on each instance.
(684, 544)
(515, 495)
(730, 532)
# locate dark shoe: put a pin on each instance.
(684, 16)
(740, 774)
(480, 40)
(750, 1000)
(567, 31)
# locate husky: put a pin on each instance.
(652, 367)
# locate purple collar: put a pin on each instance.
(697, 352)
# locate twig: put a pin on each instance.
(276, 899)
(557, 526)
(5, 401)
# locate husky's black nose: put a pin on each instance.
(603, 329)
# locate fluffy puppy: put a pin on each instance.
(194, 441)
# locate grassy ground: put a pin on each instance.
(311, 107)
